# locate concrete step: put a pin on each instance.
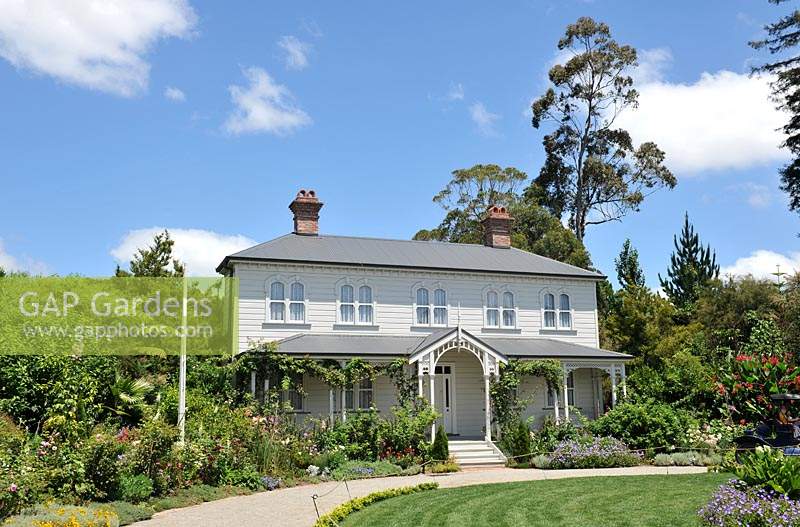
(486, 452)
(483, 461)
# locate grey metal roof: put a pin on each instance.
(404, 345)
(376, 252)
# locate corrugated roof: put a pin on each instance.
(401, 346)
(376, 252)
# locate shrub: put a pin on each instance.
(645, 426)
(594, 452)
(445, 467)
(735, 504)
(247, 477)
(195, 495)
(365, 469)
(772, 469)
(135, 488)
(57, 515)
(551, 434)
(516, 443)
(441, 449)
(358, 435)
(101, 460)
(403, 436)
(335, 517)
(663, 460)
(540, 461)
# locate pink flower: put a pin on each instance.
(13, 487)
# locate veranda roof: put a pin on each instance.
(394, 346)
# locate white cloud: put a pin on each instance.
(723, 120)
(199, 249)
(263, 106)
(174, 94)
(21, 264)
(456, 92)
(296, 51)
(483, 119)
(98, 45)
(762, 263)
(757, 196)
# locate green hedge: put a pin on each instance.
(333, 518)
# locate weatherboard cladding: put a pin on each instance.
(375, 252)
(401, 346)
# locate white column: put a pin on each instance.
(487, 403)
(432, 377)
(624, 382)
(330, 404)
(613, 385)
(565, 391)
(344, 410)
(555, 406)
(253, 383)
(419, 384)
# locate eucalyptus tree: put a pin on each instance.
(593, 172)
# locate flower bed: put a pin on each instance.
(593, 452)
(735, 504)
(335, 517)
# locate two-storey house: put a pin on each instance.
(453, 311)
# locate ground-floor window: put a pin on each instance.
(359, 396)
(552, 394)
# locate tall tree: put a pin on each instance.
(692, 267)
(592, 170)
(155, 260)
(629, 272)
(467, 197)
(782, 38)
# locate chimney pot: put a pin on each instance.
(305, 208)
(497, 228)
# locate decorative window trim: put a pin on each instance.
(356, 303)
(287, 282)
(500, 291)
(431, 306)
(557, 310)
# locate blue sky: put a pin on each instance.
(207, 117)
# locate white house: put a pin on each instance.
(453, 311)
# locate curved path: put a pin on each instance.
(293, 507)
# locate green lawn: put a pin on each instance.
(634, 501)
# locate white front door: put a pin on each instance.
(445, 403)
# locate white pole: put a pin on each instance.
(555, 406)
(566, 396)
(624, 383)
(330, 403)
(488, 412)
(613, 386)
(182, 368)
(432, 377)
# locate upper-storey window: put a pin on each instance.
(431, 310)
(280, 304)
(557, 316)
(359, 310)
(501, 311)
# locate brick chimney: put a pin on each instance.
(306, 212)
(497, 228)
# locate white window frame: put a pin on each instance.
(501, 310)
(431, 305)
(354, 391)
(287, 301)
(356, 303)
(552, 394)
(557, 311)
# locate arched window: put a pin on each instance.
(549, 311)
(347, 305)
(277, 302)
(280, 304)
(439, 307)
(564, 312)
(297, 302)
(423, 307)
(492, 310)
(365, 308)
(509, 310)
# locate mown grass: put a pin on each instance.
(619, 501)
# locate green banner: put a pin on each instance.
(118, 316)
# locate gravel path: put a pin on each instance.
(293, 507)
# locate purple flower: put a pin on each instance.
(13, 487)
(736, 504)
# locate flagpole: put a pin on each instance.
(182, 369)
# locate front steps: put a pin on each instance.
(476, 453)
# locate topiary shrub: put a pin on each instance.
(441, 448)
(517, 442)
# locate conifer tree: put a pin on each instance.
(154, 261)
(629, 273)
(692, 266)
